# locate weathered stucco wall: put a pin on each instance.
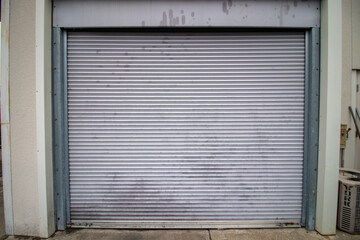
(350, 62)
(23, 117)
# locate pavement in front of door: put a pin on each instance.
(253, 234)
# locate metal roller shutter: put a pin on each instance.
(186, 126)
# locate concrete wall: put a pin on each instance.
(350, 65)
(23, 117)
(26, 99)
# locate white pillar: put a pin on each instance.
(330, 113)
(26, 117)
(44, 117)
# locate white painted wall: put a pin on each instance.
(350, 64)
(330, 116)
(43, 30)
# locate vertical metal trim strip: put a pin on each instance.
(306, 126)
(311, 130)
(65, 126)
(60, 129)
(54, 54)
(57, 117)
(314, 126)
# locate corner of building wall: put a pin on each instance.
(44, 117)
(330, 116)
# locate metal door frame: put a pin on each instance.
(60, 143)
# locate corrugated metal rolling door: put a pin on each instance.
(186, 126)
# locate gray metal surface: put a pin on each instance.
(185, 224)
(312, 86)
(159, 13)
(185, 126)
(61, 176)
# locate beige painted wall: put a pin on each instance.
(23, 117)
(350, 59)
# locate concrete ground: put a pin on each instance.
(254, 234)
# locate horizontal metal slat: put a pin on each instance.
(202, 155)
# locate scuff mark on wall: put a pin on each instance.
(171, 17)
(226, 6)
(171, 20)
(193, 16)
(286, 8)
(163, 22)
(208, 21)
(281, 14)
(174, 21)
